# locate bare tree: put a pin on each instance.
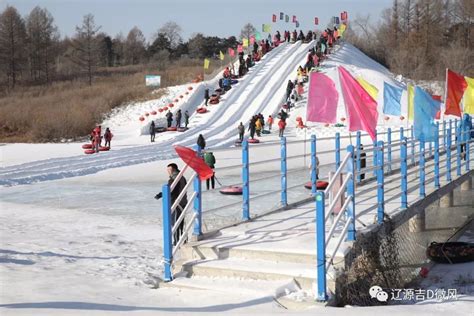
(247, 31)
(85, 45)
(173, 32)
(12, 43)
(43, 40)
(135, 46)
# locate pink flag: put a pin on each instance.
(322, 99)
(231, 52)
(239, 48)
(252, 40)
(360, 106)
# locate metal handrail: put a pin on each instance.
(338, 217)
(182, 193)
(183, 214)
(338, 172)
(178, 177)
(335, 199)
(339, 241)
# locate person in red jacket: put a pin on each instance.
(281, 126)
(270, 122)
(96, 139)
(108, 137)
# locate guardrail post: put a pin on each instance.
(358, 143)
(444, 134)
(380, 181)
(436, 157)
(458, 150)
(197, 231)
(401, 134)
(468, 156)
(167, 236)
(448, 155)
(412, 140)
(350, 190)
(245, 180)
(338, 150)
(313, 165)
(375, 153)
(404, 170)
(321, 245)
(422, 168)
(389, 149)
(284, 198)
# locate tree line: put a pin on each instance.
(32, 51)
(420, 38)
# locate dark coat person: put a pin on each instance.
(178, 118)
(201, 142)
(152, 131)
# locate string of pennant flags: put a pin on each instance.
(341, 22)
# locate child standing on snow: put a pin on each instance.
(108, 137)
(270, 122)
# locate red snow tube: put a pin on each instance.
(190, 88)
(234, 76)
(320, 185)
(153, 112)
(182, 129)
(161, 129)
(219, 91)
(181, 96)
(170, 105)
(176, 100)
(171, 129)
(253, 141)
(165, 108)
(186, 93)
(160, 110)
(87, 146)
(214, 101)
(201, 110)
(231, 191)
(89, 151)
(103, 148)
(141, 118)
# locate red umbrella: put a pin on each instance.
(191, 158)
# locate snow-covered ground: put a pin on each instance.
(82, 234)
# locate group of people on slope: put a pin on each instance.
(96, 138)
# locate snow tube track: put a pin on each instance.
(253, 94)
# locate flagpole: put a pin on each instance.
(445, 93)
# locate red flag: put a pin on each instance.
(437, 98)
(456, 85)
(274, 18)
(239, 48)
(191, 158)
(316, 21)
(294, 18)
(231, 52)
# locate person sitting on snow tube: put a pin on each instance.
(226, 84)
(226, 72)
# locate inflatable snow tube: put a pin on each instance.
(89, 151)
(253, 141)
(451, 252)
(227, 88)
(231, 191)
(87, 146)
(182, 129)
(234, 81)
(265, 132)
(172, 129)
(234, 76)
(141, 118)
(147, 114)
(320, 185)
(153, 112)
(103, 148)
(219, 91)
(160, 129)
(190, 88)
(176, 100)
(186, 93)
(214, 101)
(160, 110)
(201, 110)
(181, 96)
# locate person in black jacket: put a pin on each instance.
(252, 127)
(152, 131)
(173, 172)
(289, 88)
(169, 118)
(201, 142)
(178, 118)
(186, 119)
(206, 95)
(362, 161)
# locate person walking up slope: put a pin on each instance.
(108, 137)
(178, 119)
(210, 160)
(152, 131)
(281, 126)
(241, 130)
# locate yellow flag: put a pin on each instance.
(206, 63)
(245, 42)
(469, 96)
(267, 28)
(373, 91)
(221, 55)
(342, 29)
(411, 102)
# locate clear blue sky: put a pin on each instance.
(210, 17)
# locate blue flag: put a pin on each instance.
(391, 99)
(425, 112)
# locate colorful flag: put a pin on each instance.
(316, 21)
(297, 24)
(342, 29)
(258, 36)
(231, 52)
(274, 18)
(252, 40)
(206, 63)
(294, 19)
(373, 91)
(469, 96)
(221, 55)
(267, 28)
(411, 103)
(336, 20)
(391, 99)
(281, 15)
(245, 42)
(322, 99)
(287, 18)
(239, 49)
(361, 108)
(425, 111)
(456, 85)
